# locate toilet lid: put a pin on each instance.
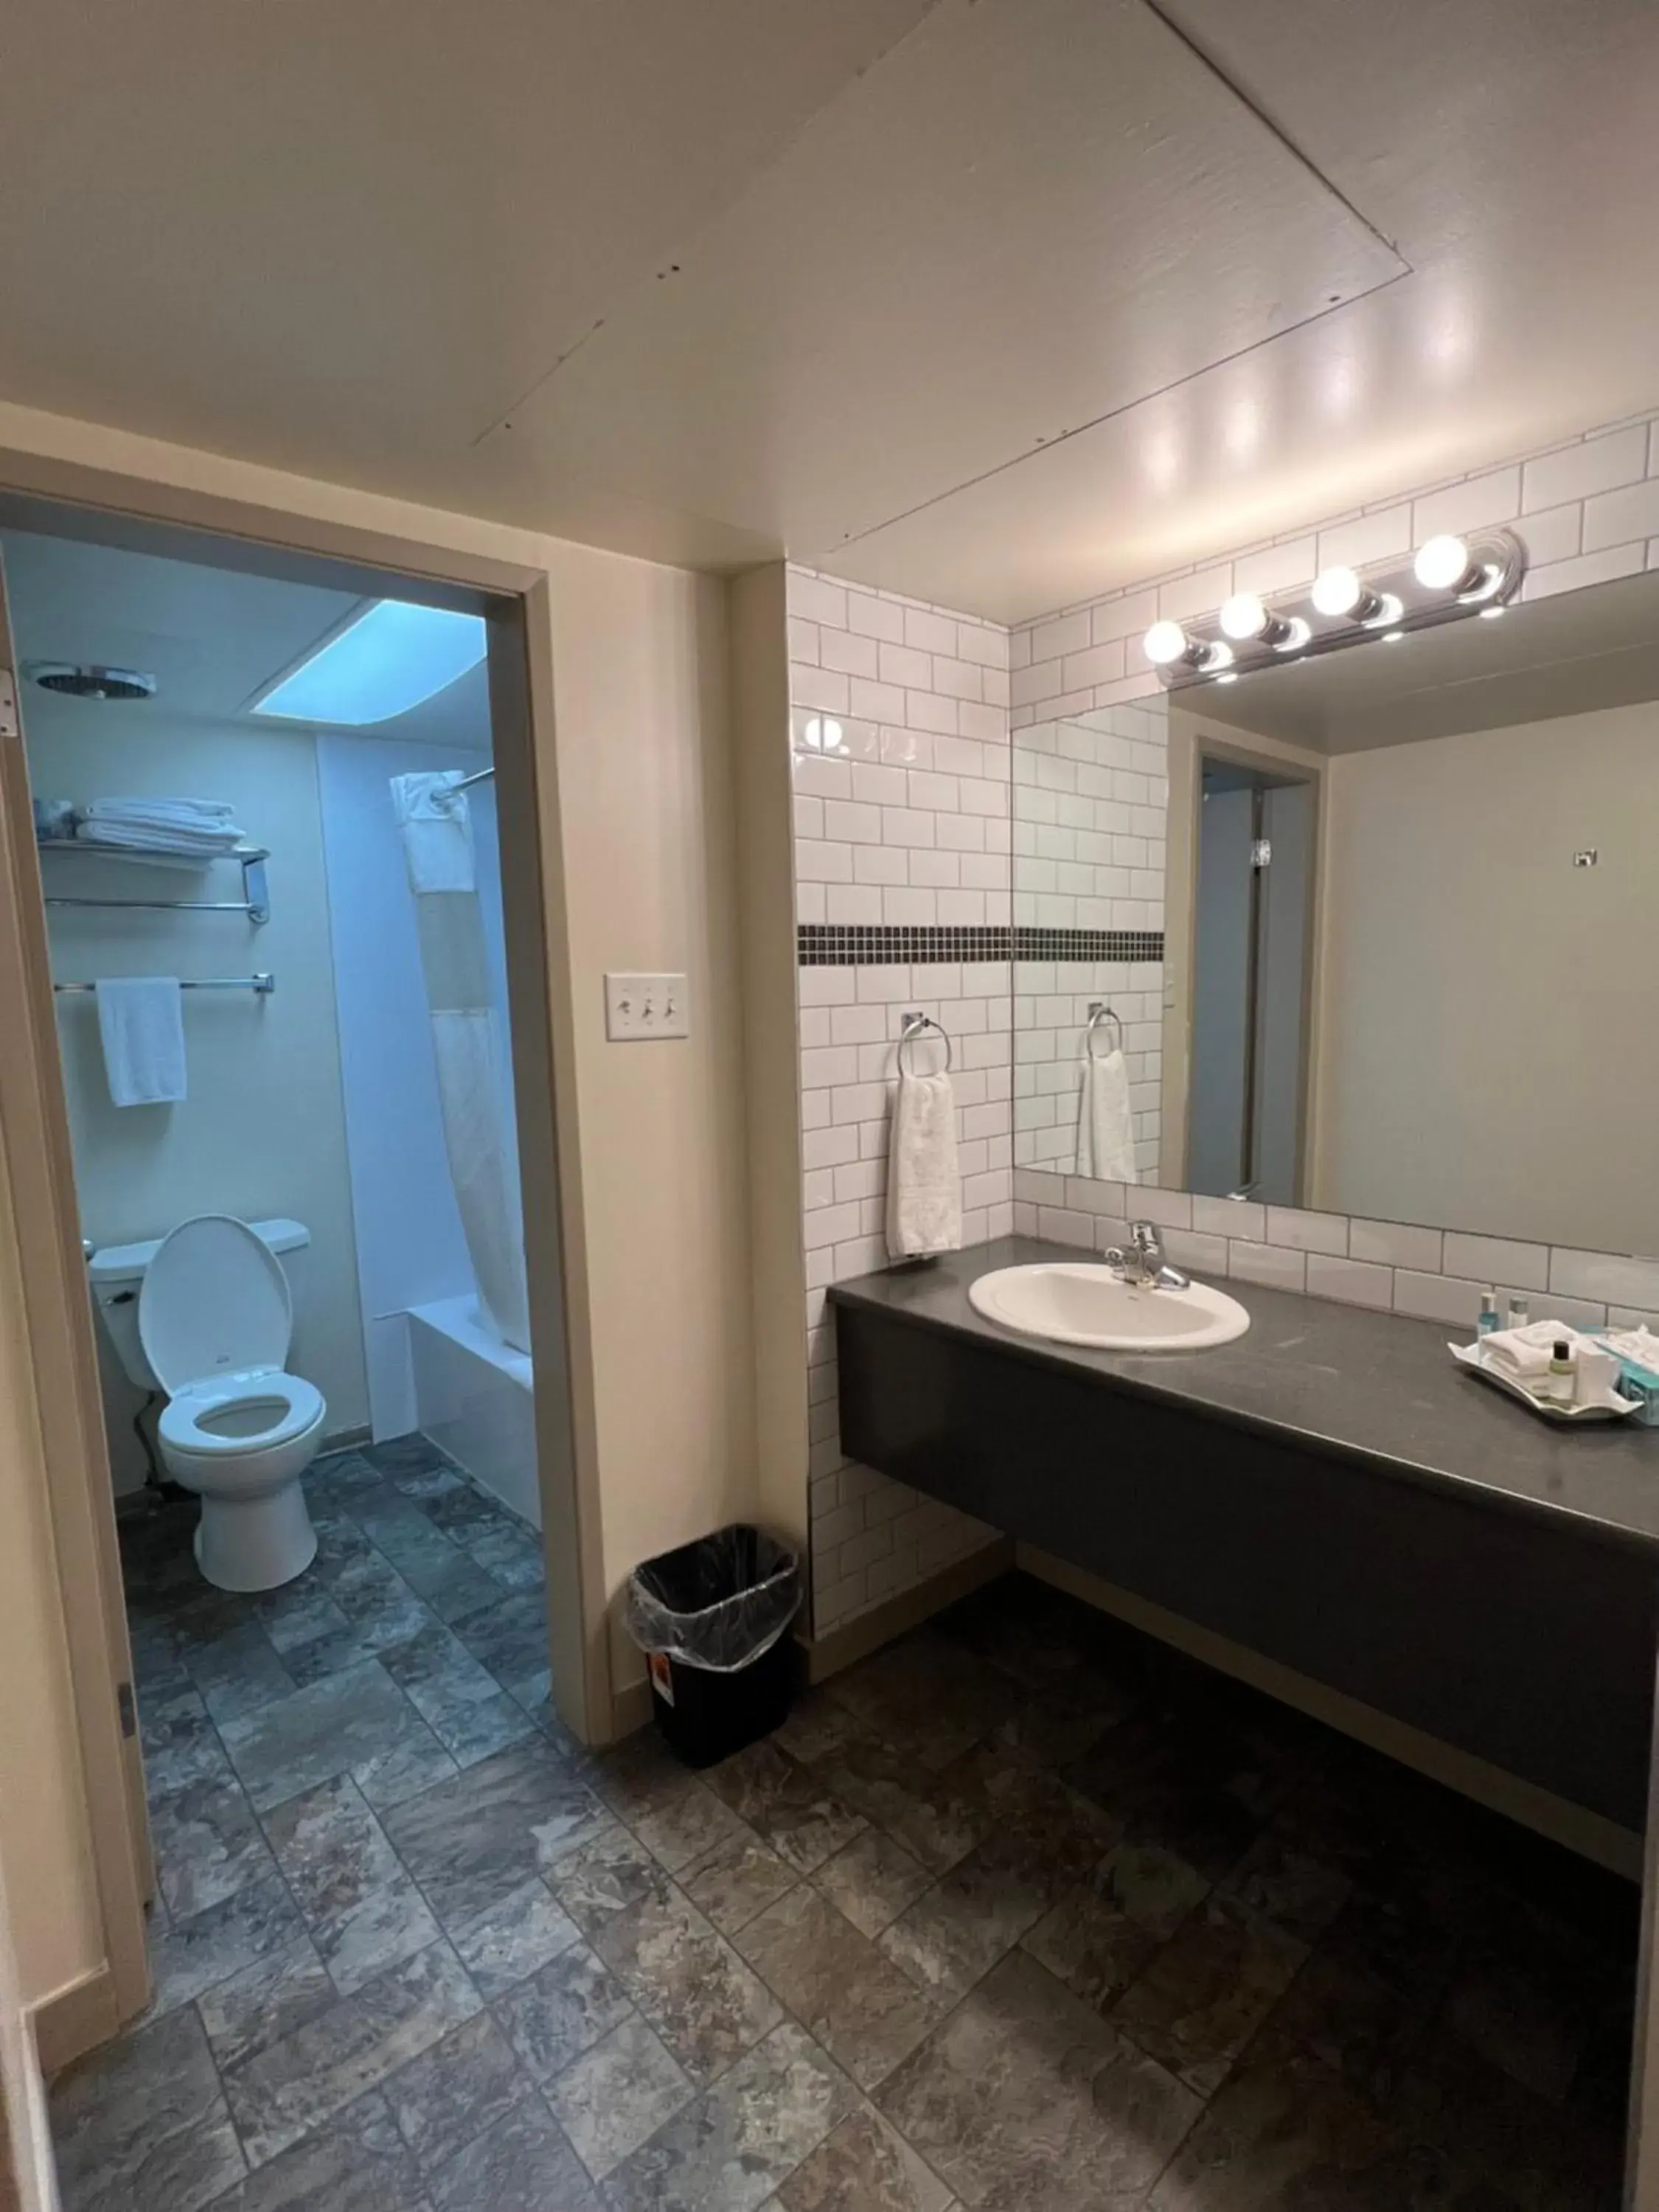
(215, 1300)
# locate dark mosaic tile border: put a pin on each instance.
(829, 944)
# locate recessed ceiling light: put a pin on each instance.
(390, 658)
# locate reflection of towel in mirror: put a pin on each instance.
(1105, 1126)
(924, 1188)
(1524, 1354)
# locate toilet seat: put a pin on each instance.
(201, 1420)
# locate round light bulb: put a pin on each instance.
(1165, 643)
(1441, 564)
(1244, 617)
(1337, 592)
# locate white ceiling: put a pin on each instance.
(212, 638)
(1001, 302)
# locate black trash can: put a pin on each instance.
(713, 1619)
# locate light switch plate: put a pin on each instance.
(638, 1006)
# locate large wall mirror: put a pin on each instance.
(1369, 933)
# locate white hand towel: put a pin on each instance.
(437, 827)
(1524, 1354)
(1105, 1126)
(923, 1189)
(184, 813)
(141, 1021)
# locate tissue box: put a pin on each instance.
(1640, 1385)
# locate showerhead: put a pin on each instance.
(87, 681)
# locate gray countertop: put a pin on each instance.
(1373, 1388)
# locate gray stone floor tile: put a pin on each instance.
(863, 2166)
(1025, 2100)
(1204, 1996)
(141, 2126)
(792, 1807)
(617, 2094)
(508, 1635)
(705, 2004)
(208, 1845)
(1104, 1931)
(237, 1671)
(358, 2163)
(522, 2164)
(299, 1612)
(736, 1880)
(193, 1955)
(388, 1925)
(730, 2150)
(356, 1722)
(1294, 1889)
(862, 2009)
(561, 2010)
(926, 1697)
(332, 1850)
(293, 2087)
(606, 1876)
(448, 2097)
(470, 1841)
(872, 1881)
(502, 1946)
(672, 1811)
(265, 2002)
(181, 1745)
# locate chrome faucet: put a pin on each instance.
(1142, 1266)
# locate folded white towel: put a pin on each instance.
(923, 1189)
(141, 1022)
(187, 813)
(437, 826)
(187, 844)
(1105, 1126)
(1524, 1354)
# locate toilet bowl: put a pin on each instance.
(215, 1321)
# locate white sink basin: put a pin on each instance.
(1080, 1304)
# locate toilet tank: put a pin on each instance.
(116, 1273)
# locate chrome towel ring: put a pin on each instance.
(1099, 1011)
(915, 1025)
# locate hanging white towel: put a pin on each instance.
(924, 1188)
(437, 832)
(1105, 1126)
(141, 1022)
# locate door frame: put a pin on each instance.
(1193, 739)
(69, 498)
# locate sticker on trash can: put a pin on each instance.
(662, 1675)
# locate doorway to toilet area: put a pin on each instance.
(270, 887)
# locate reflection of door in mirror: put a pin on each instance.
(1252, 902)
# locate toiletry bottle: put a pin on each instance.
(1520, 1312)
(1560, 1384)
(1488, 1321)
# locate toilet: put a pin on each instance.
(206, 1315)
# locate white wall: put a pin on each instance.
(1479, 987)
(261, 1131)
(410, 1249)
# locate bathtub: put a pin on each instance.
(475, 1397)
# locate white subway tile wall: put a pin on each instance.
(902, 782)
(1437, 1275)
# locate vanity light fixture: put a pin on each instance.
(1445, 564)
(1341, 592)
(1166, 645)
(1249, 620)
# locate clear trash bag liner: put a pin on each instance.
(719, 1604)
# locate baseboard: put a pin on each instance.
(631, 1710)
(907, 1609)
(1588, 1833)
(349, 1439)
(74, 2021)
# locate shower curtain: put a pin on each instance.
(436, 825)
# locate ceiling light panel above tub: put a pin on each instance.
(386, 661)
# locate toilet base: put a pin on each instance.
(255, 1543)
